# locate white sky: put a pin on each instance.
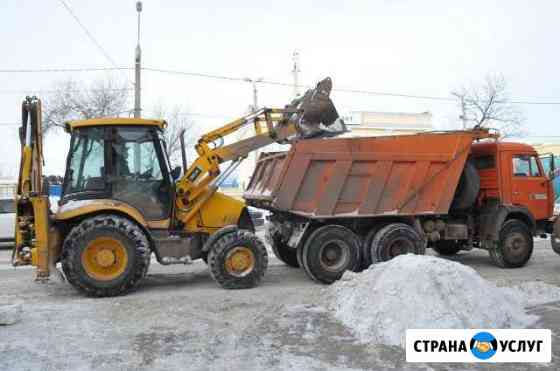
(415, 47)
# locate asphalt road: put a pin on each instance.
(180, 320)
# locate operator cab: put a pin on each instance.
(120, 159)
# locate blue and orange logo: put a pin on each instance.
(483, 345)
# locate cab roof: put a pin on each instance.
(114, 121)
(493, 146)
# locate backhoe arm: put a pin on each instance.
(32, 204)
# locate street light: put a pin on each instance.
(255, 106)
(137, 66)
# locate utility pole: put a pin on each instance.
(137, 67)
(463, 116)
(254, 82)
(295, 71)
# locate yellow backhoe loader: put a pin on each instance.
(121, 200)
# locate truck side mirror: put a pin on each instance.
(176, 173)
(551, 165)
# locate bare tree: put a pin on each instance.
(489, 105)
(72, 100)
(177, 120)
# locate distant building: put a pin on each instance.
(367, 123)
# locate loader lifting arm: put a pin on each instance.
(312, 115)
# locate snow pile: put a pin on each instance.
(416, 292)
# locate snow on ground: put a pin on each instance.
(416, 292)
(534, 293)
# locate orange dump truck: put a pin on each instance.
(345, 203)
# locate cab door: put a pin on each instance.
(139, 174)
(529, 186)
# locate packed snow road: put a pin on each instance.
(179, 319)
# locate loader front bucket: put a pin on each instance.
(555, 236)
(314, 114)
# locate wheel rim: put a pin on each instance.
(104, 258)
(516, 246)
(398, 247)
(334, 256)
(240, 261)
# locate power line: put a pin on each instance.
(50, 91)
(265, 82)
(89, 35)
(342, 90)
(47, 70)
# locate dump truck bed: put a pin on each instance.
(363, 177)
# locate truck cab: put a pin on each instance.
(512, 175)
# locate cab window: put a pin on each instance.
(525, 166)
(86, 159)
(485, 162)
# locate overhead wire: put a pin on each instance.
(265, 82)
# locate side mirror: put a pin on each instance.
(176, 173)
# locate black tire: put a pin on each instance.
(467, 189)
(446, 247)
(366, 246)
(229, 244)
(330, 251)
(284, 253)
(396, 239)
(515, 247)
(128, 233)
(204, 257)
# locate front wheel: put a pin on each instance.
(515, 247)
(238, 260)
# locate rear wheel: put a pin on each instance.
(329, 252)
(367, 259)
(446, 247)
(515, 247)
(284, 253)
(396, 239)
(105, 255)
(238, 260)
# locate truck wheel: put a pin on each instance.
(329, 252)
(396, 239)
(515, 247)
(446, 247)
(467, 189)
(284, 253)
(366, 246)
(105, 255)
(238, 260)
